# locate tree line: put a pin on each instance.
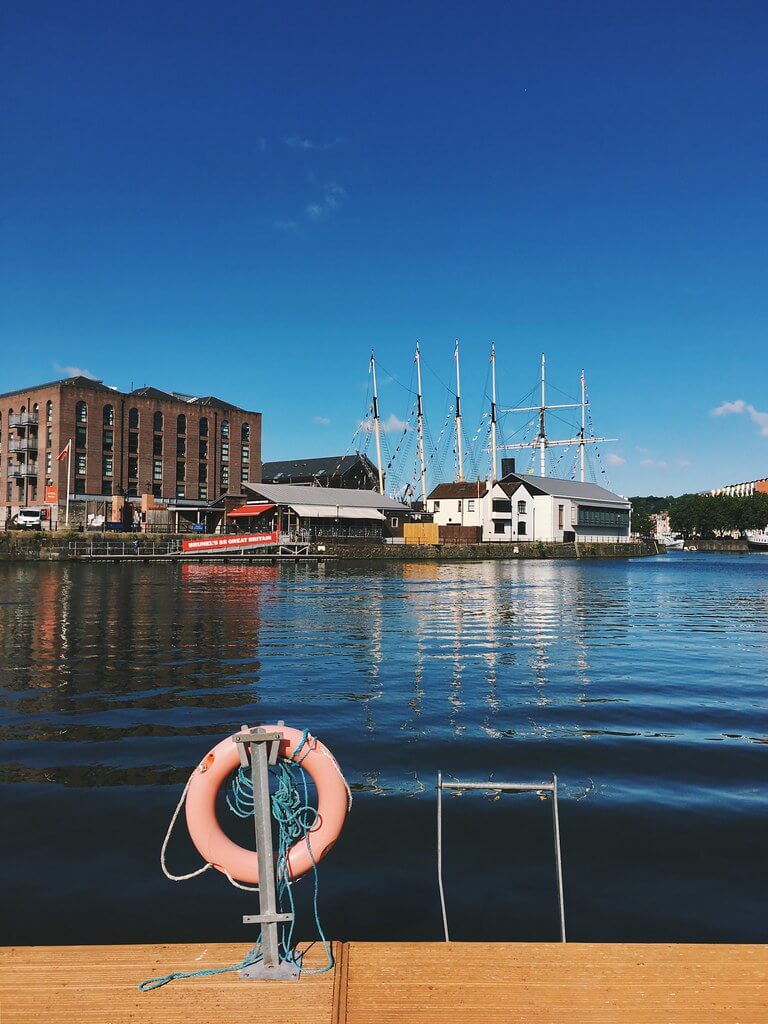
(702, 515)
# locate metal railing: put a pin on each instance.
(123, 548)
(23, 419)
(23, 444)
(23, 469)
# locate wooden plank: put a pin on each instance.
(98, 985)
(340, 983)
(553, 983)
(384, 983)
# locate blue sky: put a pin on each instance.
(244, 199)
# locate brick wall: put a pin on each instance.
(101, 436)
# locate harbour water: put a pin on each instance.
(642, 683)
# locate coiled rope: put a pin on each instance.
(295, 817)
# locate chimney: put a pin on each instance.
(507, 467)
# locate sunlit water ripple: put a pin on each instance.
(641, 683)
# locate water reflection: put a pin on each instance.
(623, 677)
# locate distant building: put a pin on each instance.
(178, 448)
(317, 513)
(661, 526)
(350, 471)
(742, 490)
(525, 508)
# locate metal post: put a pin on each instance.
(263, 821)
(558, 857)
(440, 852)
(263, 747)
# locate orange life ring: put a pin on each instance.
(214, 770)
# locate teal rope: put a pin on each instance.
(295, 817)
(251, 957)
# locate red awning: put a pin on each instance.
(248, 510)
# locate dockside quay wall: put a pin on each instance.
(45, 545)
(19, 545)
(477, 552)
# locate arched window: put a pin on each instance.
(22, 410)
(203, 426)
(157, 421)
(81, 412)
(109, 415)
(181, 424)
(225, 428)
(49, 412)
(521, 508)
(245, 432)
(133, 418)
(35, 410)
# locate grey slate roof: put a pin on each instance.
(305, 494)
(566, 488)
(333, 465)
(78, 381)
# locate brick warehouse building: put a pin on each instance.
(145, 441)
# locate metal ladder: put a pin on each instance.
(502, 787)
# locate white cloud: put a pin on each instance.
(614, 460)
(392, 425)
(682, 462)
(739, 407)
(654, 463)
(332, 198)
(303, 144)
(322, 421)
(74, 371)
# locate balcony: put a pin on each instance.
(24, 419)
(23, 469)
(23, 444)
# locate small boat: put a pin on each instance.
(672, 541)
(757, 541)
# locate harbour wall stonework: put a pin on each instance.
(18, 545)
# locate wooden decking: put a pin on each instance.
(383, 983)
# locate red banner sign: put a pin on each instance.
(232, 542)
(51, 495)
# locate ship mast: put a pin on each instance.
(420, 428)
(377, 424)
(542, 426)
(458, 416)
(493, 413)
(541, 441)
(582, 433)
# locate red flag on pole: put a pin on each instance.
(64, 452)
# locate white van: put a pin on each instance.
(30, 518)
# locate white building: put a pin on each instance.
(743, 490)
(524, 508)
(661, 527)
